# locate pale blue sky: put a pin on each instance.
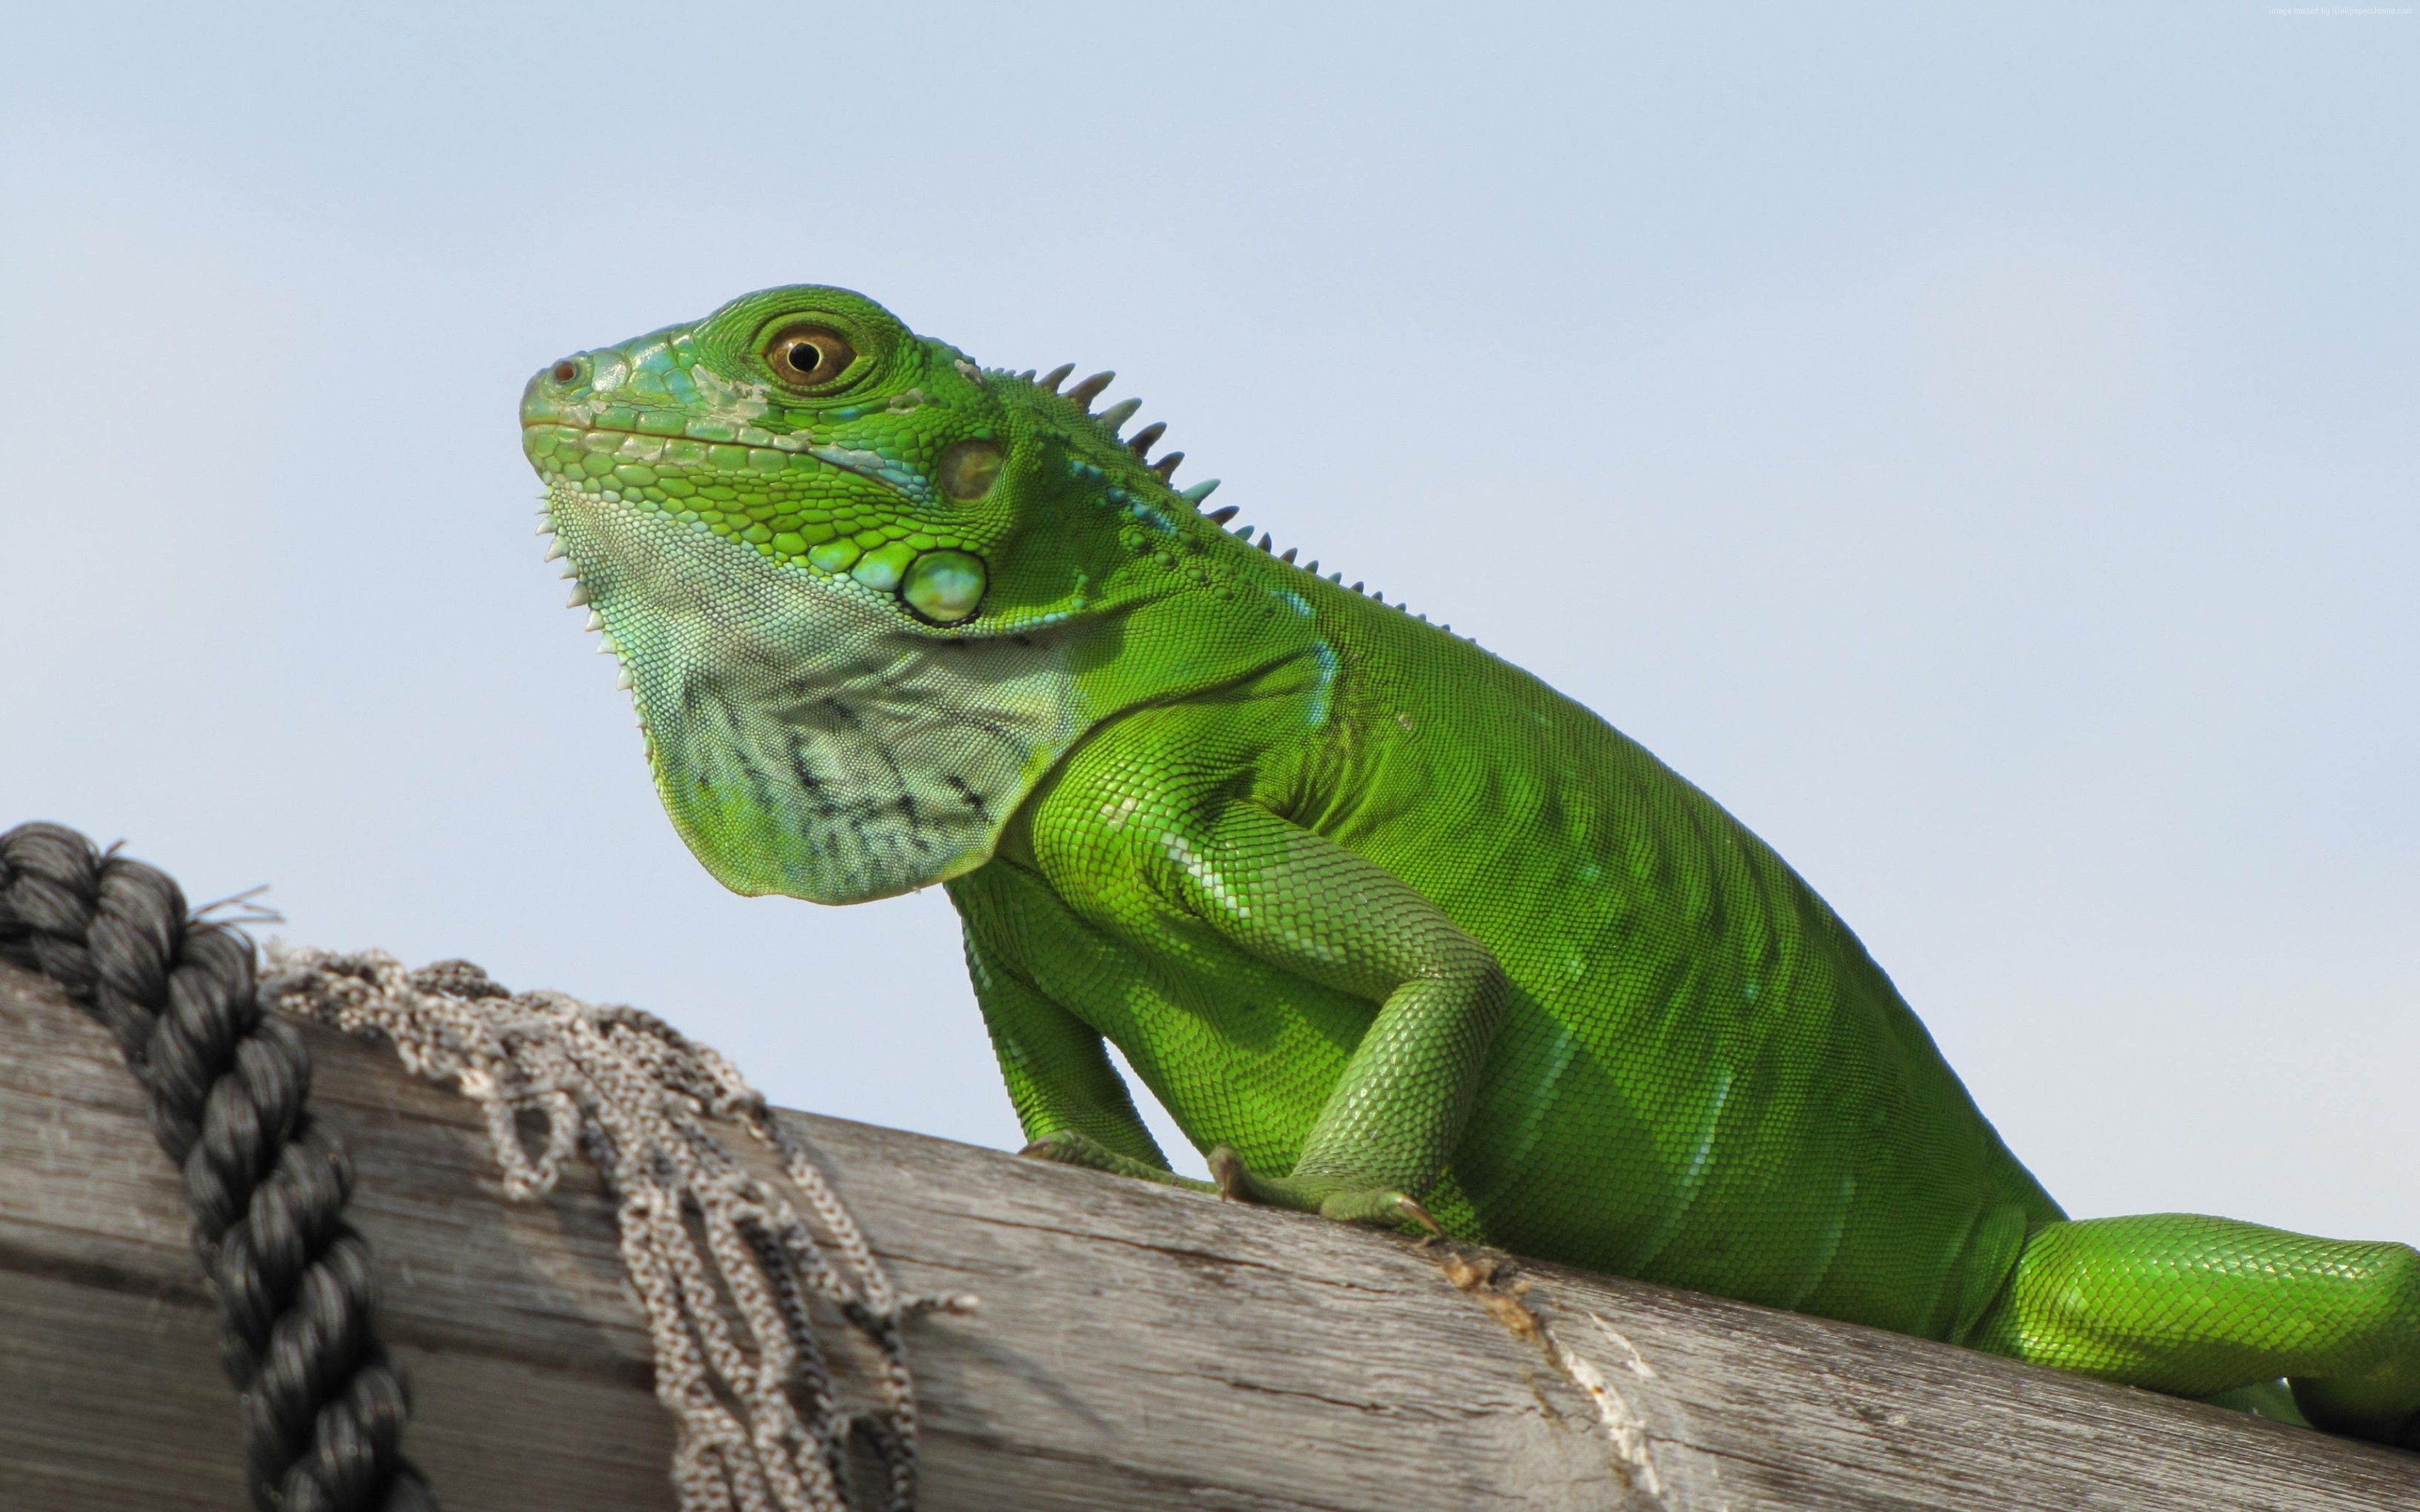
(1980, 448)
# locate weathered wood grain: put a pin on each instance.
(1137, 1348)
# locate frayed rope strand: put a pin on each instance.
(724, 1262)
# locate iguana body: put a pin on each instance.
(1391, 928)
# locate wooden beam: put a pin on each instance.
(1137, 1348)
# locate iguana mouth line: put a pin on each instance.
(828, 456)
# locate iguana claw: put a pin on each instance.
(1329, 1196)
(1414, 1213)
(1227, 1171)
(1064, 1148)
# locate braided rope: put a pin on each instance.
(323, 1406)
(723, 1264)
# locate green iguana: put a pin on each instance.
(1396, 933)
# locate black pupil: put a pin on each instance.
(806, 356)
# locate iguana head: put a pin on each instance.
(864, 591)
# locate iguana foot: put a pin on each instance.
(1068, 1147)
(1330, 1196)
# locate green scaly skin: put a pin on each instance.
(1396, 933)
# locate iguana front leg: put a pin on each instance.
(1072, 1104)
(1301, 902)
(1134, 850)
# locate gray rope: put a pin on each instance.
(726, 1267)
(323, 1406)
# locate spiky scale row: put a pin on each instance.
(1140, 444)
(1115, 417)
(1244, 532)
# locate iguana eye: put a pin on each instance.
(811, 357)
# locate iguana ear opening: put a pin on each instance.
(970, 469)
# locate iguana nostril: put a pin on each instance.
(944, 586)
(565, 371)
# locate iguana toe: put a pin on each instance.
(1065, 1147)
(1330, 1196)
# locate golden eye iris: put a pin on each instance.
(809, 357)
